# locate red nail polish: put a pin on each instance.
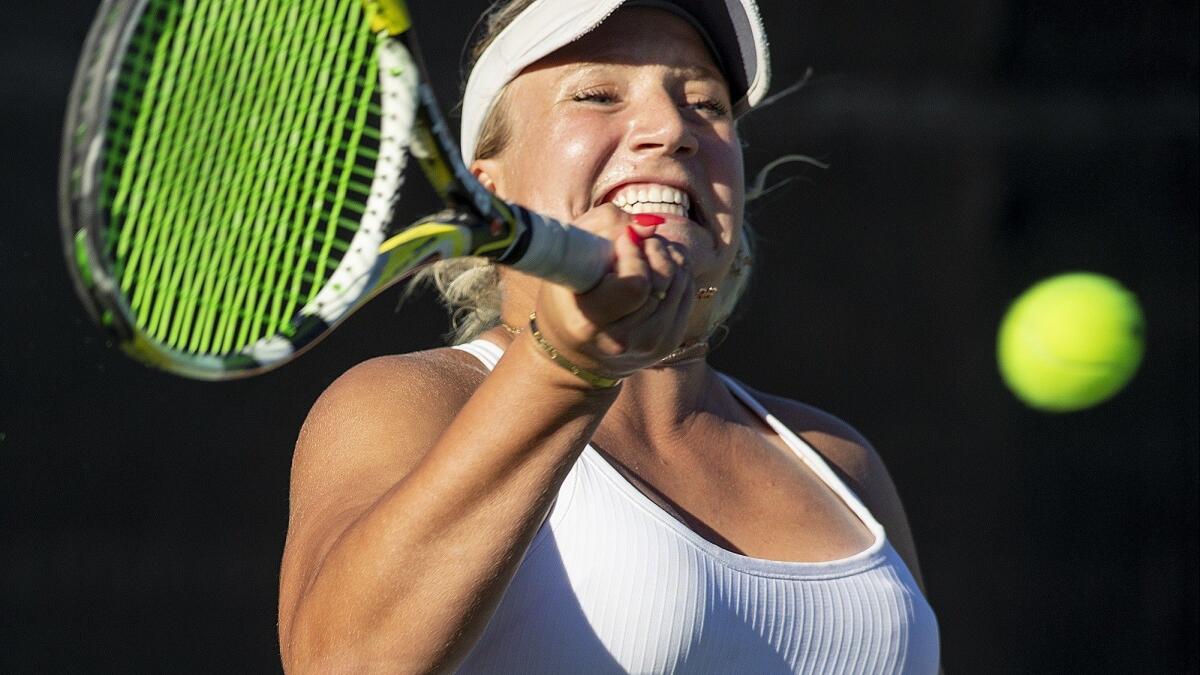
(633, 236)
(648, 219)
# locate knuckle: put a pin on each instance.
(660, 256)
(613, 346)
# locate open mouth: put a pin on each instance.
(654, 198)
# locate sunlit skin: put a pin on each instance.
(406, 459)
(641, 100)
(638, 100)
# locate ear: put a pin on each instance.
(488, 173)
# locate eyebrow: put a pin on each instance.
(698, 72)
(689, 71)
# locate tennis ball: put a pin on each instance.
(1070, 342)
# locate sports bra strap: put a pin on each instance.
(486, 351)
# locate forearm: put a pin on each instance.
(412, 583)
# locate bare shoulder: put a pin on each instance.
(839, 443)
(855, 461)
(425, 382)
(364, 434)
(378, 418)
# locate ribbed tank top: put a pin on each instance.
(612, 583)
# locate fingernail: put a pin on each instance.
(633, 236)
(648, 219)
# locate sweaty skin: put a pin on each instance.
(622, 107)
(420, 479)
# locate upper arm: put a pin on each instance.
(857, 463)
(363, 435)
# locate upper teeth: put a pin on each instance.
(648, 198)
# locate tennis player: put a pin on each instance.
(572, 488)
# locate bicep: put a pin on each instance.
(365, 433)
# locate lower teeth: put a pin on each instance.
(655, 207)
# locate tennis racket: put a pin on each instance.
(231, 170)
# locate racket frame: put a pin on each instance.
(490, 226)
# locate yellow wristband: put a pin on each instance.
(597, 381)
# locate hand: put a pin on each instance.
(638, 312)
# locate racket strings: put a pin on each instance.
(213, 251)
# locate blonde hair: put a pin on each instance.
(470, 290)
(470, 287)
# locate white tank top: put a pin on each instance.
(612, 583)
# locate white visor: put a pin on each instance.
(732, 29)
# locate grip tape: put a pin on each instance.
(561, 253)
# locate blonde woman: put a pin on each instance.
(572, 489)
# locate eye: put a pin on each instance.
(710, 106)
(598, 96)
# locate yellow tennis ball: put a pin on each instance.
(1071, 342)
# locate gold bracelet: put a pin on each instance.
(597, 381)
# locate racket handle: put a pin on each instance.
(562, 253)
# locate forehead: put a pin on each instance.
(640, 36)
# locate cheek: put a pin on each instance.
(577, 145)
(730, 183)
(574, 147)
(555, 165)
(729, 170)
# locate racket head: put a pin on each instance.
(228, 175)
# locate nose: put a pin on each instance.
(659, 125)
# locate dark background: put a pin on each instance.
(975, 147)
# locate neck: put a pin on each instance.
(662, 406)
